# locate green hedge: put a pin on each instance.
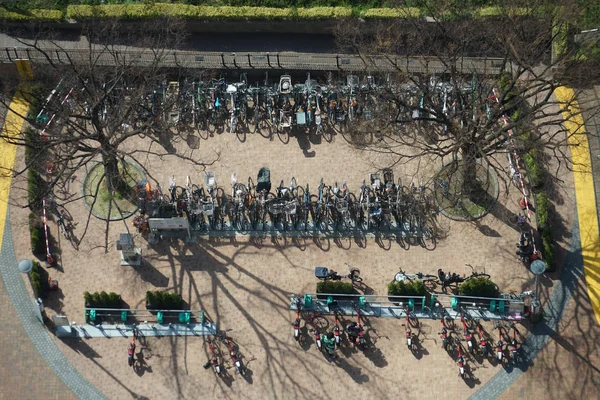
(36, 235)
(415, 288)
(163, 300)
(407, 12)
(537, 173)
(335, 287)
(543, 210)
(560, 44)
(478, 287)
(101, 300)
(39, 284)
(141, 11)
(31, 15)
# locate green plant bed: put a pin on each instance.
(335, 287)
(101, 300)
(479, 287)
(39, 280)
(163, 301)
(124, 196)
(457, 205)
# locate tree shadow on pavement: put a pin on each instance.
(354, 372)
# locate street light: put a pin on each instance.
(537, 268)
(25, 266)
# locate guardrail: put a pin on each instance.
(95, 315)
(287, 61)
(434, 306)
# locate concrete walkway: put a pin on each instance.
(36, 334)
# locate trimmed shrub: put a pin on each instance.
(34, 189)
(335, 287)
(114, 300)
(536, 171)
(543, 209)
(36, 235)
(39, 280)
(102, 300)
(415, 288)
(478, 287)
(163, 300)
(406, 12)
(31, 15)
(548, 249)
(323, 12)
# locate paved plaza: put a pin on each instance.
(244, 285)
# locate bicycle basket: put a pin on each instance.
(209, 179)
(341, 205)
(263, 180)
(208, 209)
(290, 207)
(301, 118)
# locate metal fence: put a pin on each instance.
(259, 61)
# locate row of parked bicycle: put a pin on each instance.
(309, 106)
(381, 204)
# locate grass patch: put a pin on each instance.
(123, 197)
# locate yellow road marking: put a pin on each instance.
(11, 129)
(584, 193)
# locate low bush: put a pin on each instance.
(406, 12)
(548, 249)
(478, 287)
(536, 172)
(163, 300)
(335, 287)
(543, 209)
(34, 189)
(36, 235)
(31, 15)
(560, 33)
(39, 284)
(101, 300)
(415, 288)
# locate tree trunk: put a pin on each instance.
(469, 170)
(111, 168)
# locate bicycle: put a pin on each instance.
(402, 276)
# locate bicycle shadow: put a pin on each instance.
(354, 372)
(140, 366)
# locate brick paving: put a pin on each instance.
(244, 285)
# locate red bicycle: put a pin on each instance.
(131, 350)
(515, 347)
(467, 333)
(356, 332)
(236, 358)
(499, 345)
(444, 335)
(214, 357)
(296, 323)
(461, 363)
(336, 331)
(482, 341)
(408, 331)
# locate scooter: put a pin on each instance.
(214, 360)
(329, 342)
(336, 331)
(461, 363)
(444, 335)
(408, 331)
(467, 333)
(482, 341)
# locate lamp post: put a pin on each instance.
(25, 266)
(537, 268)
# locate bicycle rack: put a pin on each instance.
(426, 307)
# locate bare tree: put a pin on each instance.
(464, 113)
(111, 99)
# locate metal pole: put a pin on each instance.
(223, 60)
(269, 60)
(250, 61)
(234, 62)
(278, 63)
